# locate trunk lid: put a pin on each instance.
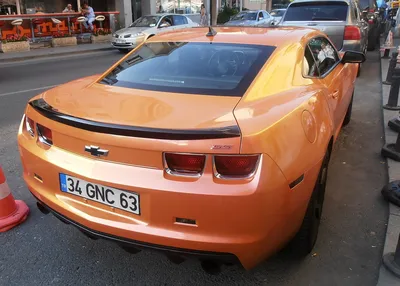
(94, 115)
(329, 17)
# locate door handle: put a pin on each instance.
(335, 94)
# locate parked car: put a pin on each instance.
(371, 14)
(277, 14)
(201, 142)
(251, 18)
(340, 19)
(146, 27)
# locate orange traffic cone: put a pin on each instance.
(12, 212)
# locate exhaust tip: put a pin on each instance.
(89, 235)
(130, 249)
(175, 259)
(42, 208)
(211, 267)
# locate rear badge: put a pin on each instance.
(96, 151)
(221, 147)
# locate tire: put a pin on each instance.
(124, 51)
(347, 117)
(303, 242)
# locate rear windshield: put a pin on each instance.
(277, 13)
(317, 11)
(193, 68)
(245, 16)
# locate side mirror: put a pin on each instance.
(163, 25)
(353, 57)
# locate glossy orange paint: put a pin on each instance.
(287, 118)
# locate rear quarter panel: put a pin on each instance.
(285, 115)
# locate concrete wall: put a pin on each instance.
(125, 9)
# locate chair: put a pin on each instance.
(81, 20)
(17, 23)
(57, 23)
(38, 22)
(100, 19)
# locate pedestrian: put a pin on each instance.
(68, 9)
(88, 12)
(203, 16)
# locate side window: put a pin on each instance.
(309, 65)
(179, 20)
(324, 53)
(266, 15)
(166, 20)
(260, 15)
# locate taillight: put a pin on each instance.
(30, 126)
(45, 135)
(370, 21)
(371, 10)
(185, 164)
(352, 33)
(235, 165)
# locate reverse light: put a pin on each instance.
(45, 135)
(352, 33)
(185, 164)
(30, 126)
(236, 166)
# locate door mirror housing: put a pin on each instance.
(352, 57)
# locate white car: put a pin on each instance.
(148, 26)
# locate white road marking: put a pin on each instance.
(28, 90)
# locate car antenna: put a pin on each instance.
(211, 32)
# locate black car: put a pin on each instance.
(371, 14)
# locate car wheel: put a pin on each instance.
(347, 118)
(305, 239)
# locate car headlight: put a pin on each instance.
(134, 35)
(114, 35)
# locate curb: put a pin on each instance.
(53, 55)
(386, 278)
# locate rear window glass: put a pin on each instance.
(317, 11)
(245, 16)
(277, 13)
(194, 68)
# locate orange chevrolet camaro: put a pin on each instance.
(207, 142)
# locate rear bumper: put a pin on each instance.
(352, 45)
(124, 242)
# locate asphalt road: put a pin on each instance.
(44, 251)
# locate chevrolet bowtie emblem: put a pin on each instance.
(96, 151)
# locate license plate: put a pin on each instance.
(112, 197)
(119, 41)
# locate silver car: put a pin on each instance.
(148, 26)
(251, 18)
(341, 20)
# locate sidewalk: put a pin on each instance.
(393, 228)
(54, 52)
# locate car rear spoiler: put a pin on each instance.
(41, 106)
